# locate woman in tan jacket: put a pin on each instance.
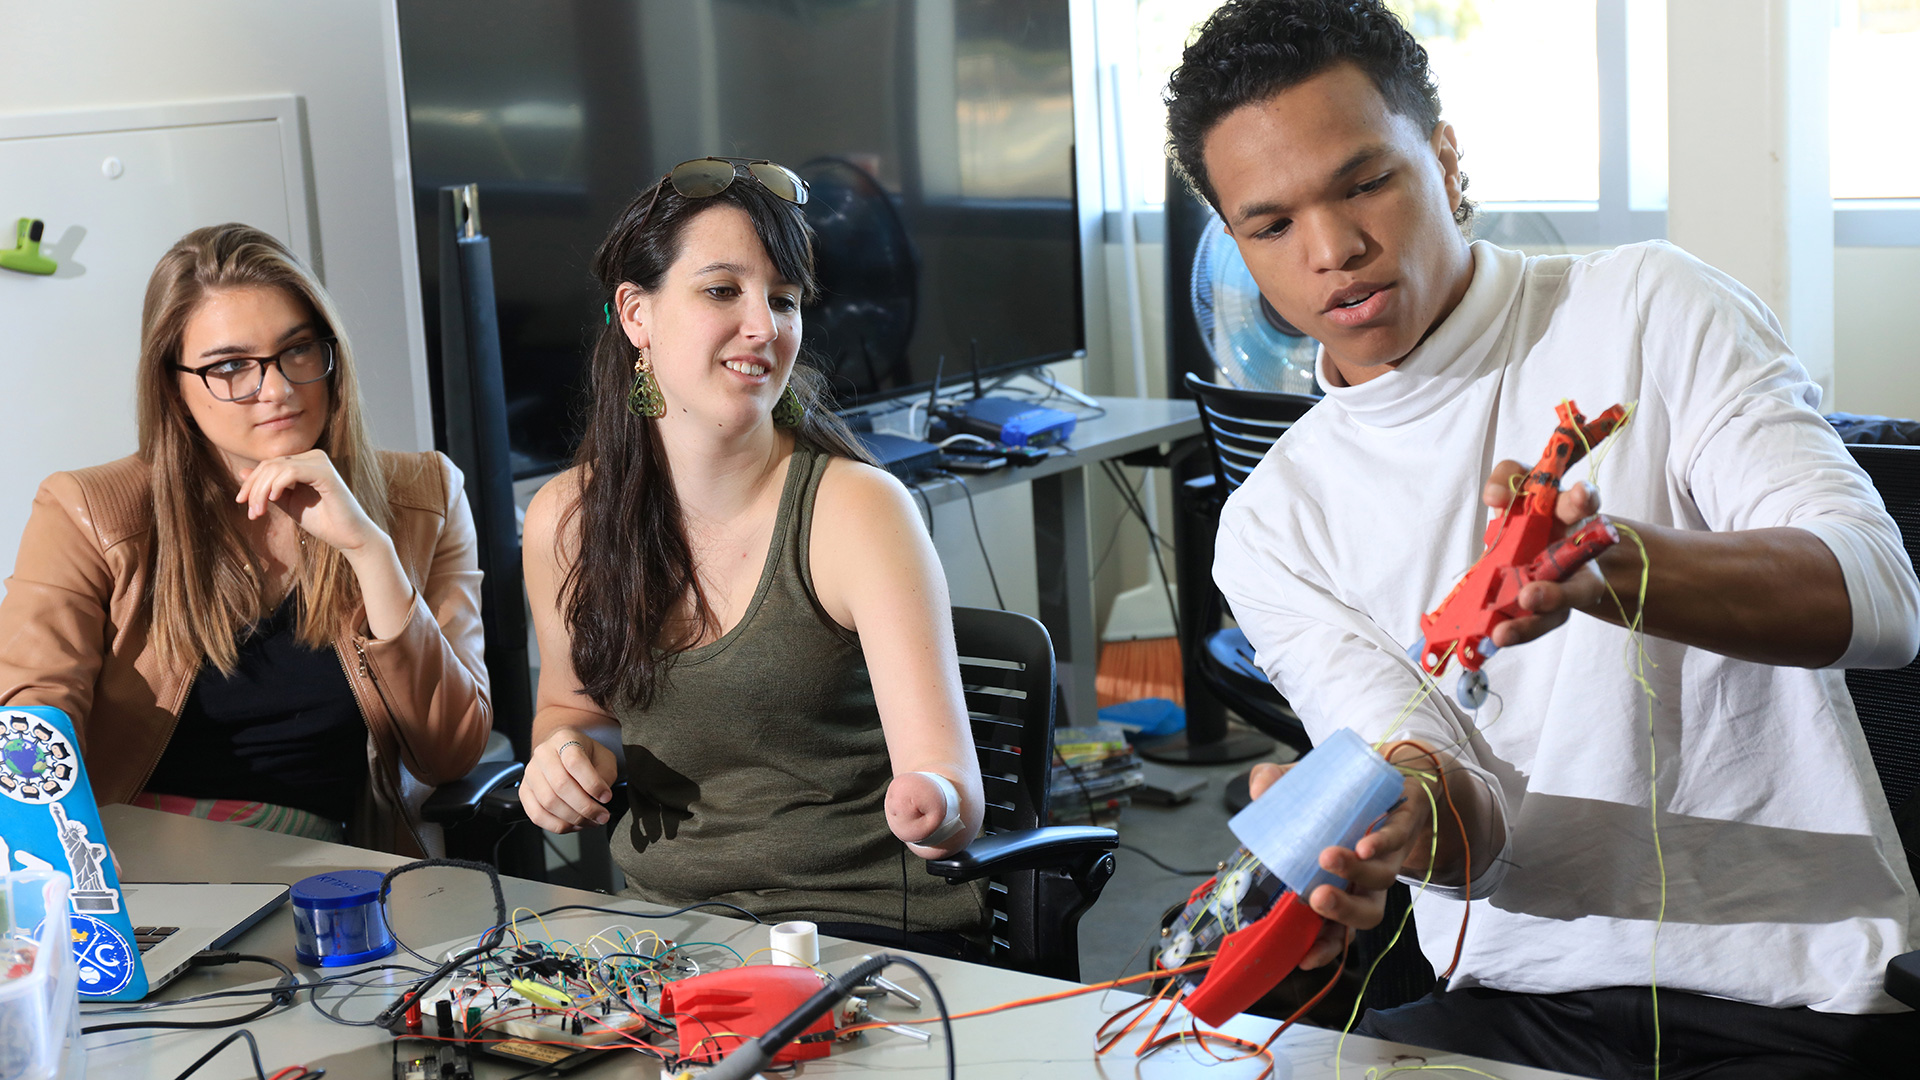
(257, 617)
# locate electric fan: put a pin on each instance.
(1253, 348)
(868, 276)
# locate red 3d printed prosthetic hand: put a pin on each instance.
(1524, 545)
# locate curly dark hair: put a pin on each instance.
(1249, 50)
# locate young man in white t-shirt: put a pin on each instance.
(1314, 128)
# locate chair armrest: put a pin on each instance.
(460, 799)
(1030, 849)
(1903, 979)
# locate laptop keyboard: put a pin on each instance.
(148, 936)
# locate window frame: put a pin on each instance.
(1609, 221)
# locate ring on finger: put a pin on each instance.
(570, 742)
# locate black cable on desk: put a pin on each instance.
(753, 1055)
(921, 494)
(1113, 537)
(939, 1002)
(386, 885)
(282, 996)
(645, 915)
(1153, 537)
(343, 979)
(981, 540)
(252, 1048)
(1149, 856)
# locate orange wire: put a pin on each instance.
(1154, 1045)
(1466, 847)
(1093, 988)
(1103, 1043)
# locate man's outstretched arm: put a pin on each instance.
(1771, 596)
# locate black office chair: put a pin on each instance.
(1888, 702)
(1042, 878)
(1240, 426)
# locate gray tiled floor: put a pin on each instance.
(1193, 835)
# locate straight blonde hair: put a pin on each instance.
(206, 590)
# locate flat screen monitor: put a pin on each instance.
(937, 136)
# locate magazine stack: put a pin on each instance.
(1094, 771)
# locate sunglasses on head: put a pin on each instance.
(705, 177)
(708, 176)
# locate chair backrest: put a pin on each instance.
(1242, 425)
(1889, 701)
(1006, 672)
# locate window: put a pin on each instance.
(1582, 156)
(1478, 50)
(1874, 117)
(1873, 124)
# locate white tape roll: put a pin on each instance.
(794, 944)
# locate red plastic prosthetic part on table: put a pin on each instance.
(1253, 960)
(744, 1001)
(1525, 544)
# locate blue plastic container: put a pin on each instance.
(1330, 799)
(337, 920)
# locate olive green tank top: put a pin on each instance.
(759, 773)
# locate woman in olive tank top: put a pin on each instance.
(726, 586)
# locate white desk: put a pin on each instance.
(1045, 1042)
(1062, 536)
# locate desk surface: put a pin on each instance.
(1130, 424)
(444, 906)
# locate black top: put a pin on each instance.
(284, 728)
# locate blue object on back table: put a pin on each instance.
(1147, 718)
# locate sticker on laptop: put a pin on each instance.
(106, 960)
(37, 763)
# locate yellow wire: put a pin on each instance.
(1426, 688)
(1606, 445)
(515, 922)
(1433, 856)
(1377, 1075)
(1637, 664)
(749, 957)
(1636, 642)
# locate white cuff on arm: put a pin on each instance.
(1880, 588)
(952, 823)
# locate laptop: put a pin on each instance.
(127, 940)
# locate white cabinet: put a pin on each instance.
(116, 188)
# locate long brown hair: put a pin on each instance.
(635, 566)
(205, 588)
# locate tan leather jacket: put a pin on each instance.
(74, 634)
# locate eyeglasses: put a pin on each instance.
(702, 177)
(708, 176)
(236, 378)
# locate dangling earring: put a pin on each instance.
(788, 411)
(643, 397)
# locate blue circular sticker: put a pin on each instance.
(105, 959)
(37, 763)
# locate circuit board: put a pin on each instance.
(501, 1011)
(1238, 896)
